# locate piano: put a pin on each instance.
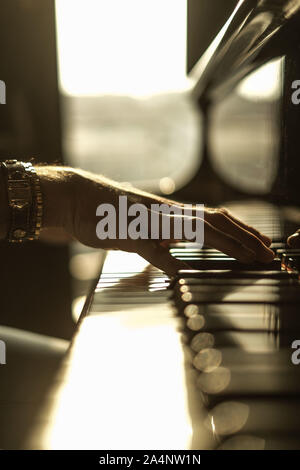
(204, 360)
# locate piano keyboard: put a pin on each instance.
(234, 325)
(239, 324)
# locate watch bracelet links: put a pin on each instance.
(25, 201)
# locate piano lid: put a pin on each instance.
(237, 48)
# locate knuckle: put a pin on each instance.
(224, 211)
(217, 215)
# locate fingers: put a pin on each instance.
(294, 240)
(160, 257)
(227, 244)
(226, 226)
(266, 240)
(224, 234)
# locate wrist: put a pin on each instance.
(56, 187)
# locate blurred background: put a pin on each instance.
(125, 109)
(104, 85)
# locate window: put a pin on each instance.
(122, 73)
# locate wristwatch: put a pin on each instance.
(24, 201)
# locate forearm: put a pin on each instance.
(71, 197)
(110, 189)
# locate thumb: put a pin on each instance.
(160, 257)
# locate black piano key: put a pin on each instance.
(285, 281)
(241, 317)
(254, 296)
(209, 294)
(289, 251)
(277, 246)
(199, 253)
(265, 417)
(254, 341)
(233, 322)
(230, 373)
(228, 273)
(224, 384)
(227, 263)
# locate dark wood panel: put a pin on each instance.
(34, 279)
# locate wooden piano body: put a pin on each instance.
(205, 363)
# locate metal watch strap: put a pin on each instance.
(19, 192)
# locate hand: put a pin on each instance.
(72, 197)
